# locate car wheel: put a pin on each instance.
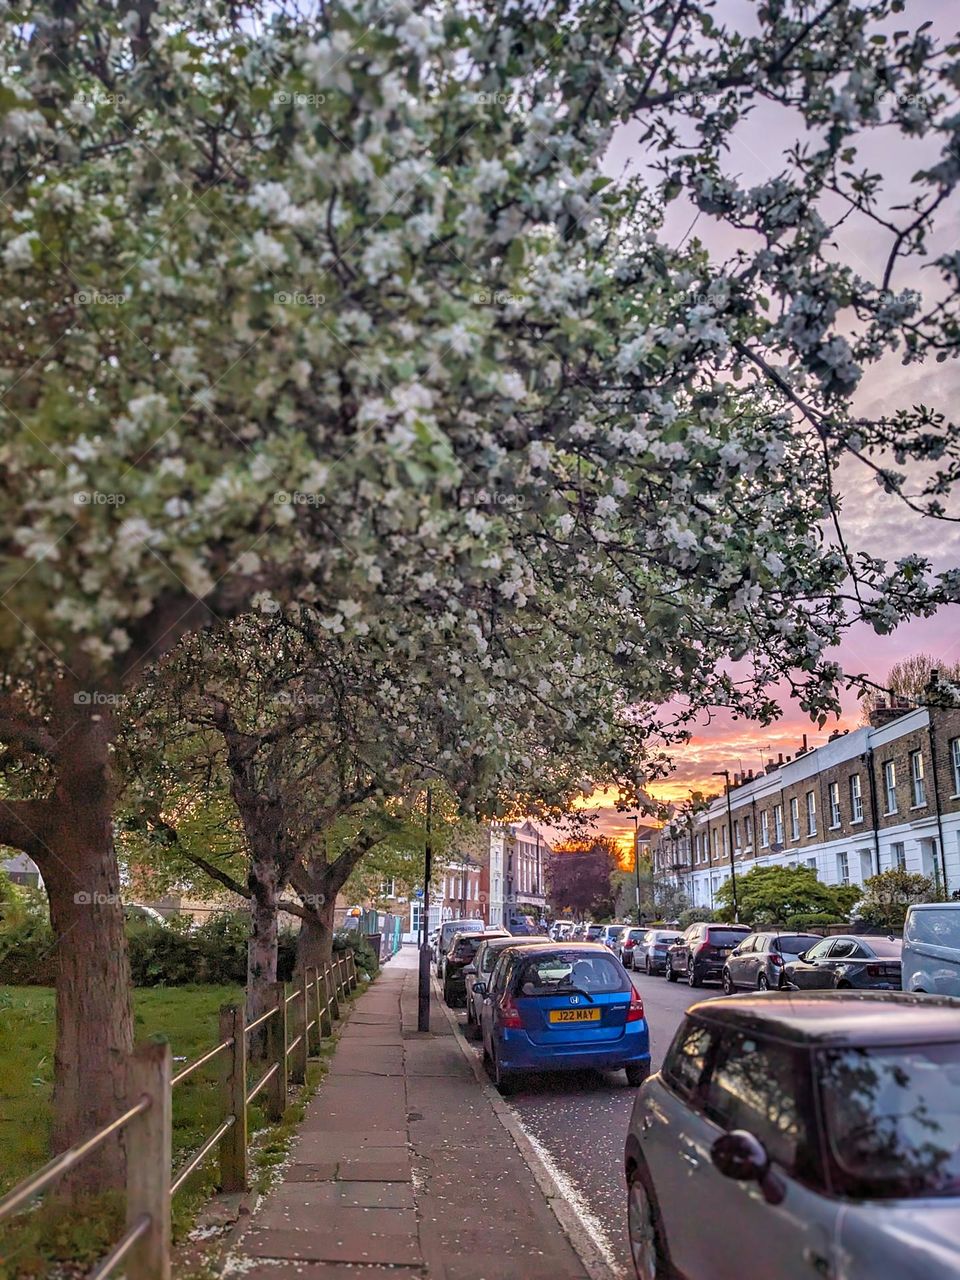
(644, 1231)
(693, 978)
(728, 987)
(762, 982)
(671, 972)
(636, 1075)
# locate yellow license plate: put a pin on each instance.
(574, 1015)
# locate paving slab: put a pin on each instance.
(376, 1189)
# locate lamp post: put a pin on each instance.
(725, 775)
(636, 858)
(423, 986)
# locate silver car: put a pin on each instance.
(801, 1135)
(757, 962)
(651, 954)
(931, 948)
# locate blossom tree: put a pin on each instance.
(339, 306)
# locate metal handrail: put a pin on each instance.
(121, 1248)
(188, 1071)
(268, 1075)
(62, 1163)
(198, 1158)
(252, 1026)
(293, 1044)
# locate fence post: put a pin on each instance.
(326, 1021)
(299, 1056)
(314, 1038)
(277, 1053)
(233, 1088)
(149, 1143)
(352, 970)
(330, 978)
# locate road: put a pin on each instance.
(579, 1121)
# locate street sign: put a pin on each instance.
(418, 893)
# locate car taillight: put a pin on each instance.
(510, 1014)
(630, 942)
(874, 970)
(635, 1012)
(704, 946)
(776, 958)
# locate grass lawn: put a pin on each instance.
(32, 1243)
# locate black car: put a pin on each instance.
(462, 951)
(847, 961)
(702, 952)
(480, 969)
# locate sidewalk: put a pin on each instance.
(401, 1168)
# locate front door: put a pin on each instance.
(759, 1086)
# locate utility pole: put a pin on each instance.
(636, 858)
(423, 990)
(725, 774)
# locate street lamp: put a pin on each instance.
(725, 775)
(423, 986)
(636, 858)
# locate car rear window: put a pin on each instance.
(887, 948)
(466, 949)
(796, 943)
(550, 972)
(722, 936)
(939, 928)
(892, 1119)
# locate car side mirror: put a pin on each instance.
(479, 988)
(742, 1156)
(802, 955)
(469, 969)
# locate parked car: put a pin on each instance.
(759, 959)
(578, 931)
(650, 954)
(480, 969)
(629, 940)
(612, 934)
(447, 931)
(702, 952)
(931, 948)
(460, 954)
(559, 1006)
(847, 960)
(815, 1134)
(561, 929)
(593, 932)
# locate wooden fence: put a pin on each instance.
(309, 1010)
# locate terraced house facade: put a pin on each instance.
(882, 796)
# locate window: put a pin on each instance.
(890, 785)
(794, 819)
(819, 950)
(892, 1119)
(955, 764)
(778, 823)
(916, 775)
(898, 857)
(847, 949)
(756, 1085)
(856, 798)
(834, 804)
(748, 830)
(843, 868)
(736, 833)
(811, 813)
(723, 834)
(686, 1058)
(764, 829)
(716, 843)
(812, 864)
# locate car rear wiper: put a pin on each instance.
(575, 991)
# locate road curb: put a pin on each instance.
(577, 1231)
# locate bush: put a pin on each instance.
(214, 952)
(887, 896)
(28, 955)
(812, 920)
(353, 940)
(694, 915)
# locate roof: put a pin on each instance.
(588, 948)
(511, 940)
(838, 1017)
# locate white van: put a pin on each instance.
(931, 948)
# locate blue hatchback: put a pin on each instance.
(561, 1006)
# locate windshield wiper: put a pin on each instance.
(575, 991)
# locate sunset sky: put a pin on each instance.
(872, 521)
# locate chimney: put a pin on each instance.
(771, 765)
(779, 759)
(804, 742)
(882, 714)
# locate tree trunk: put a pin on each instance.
(93, 997)
(263, 882)
(315, 940)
